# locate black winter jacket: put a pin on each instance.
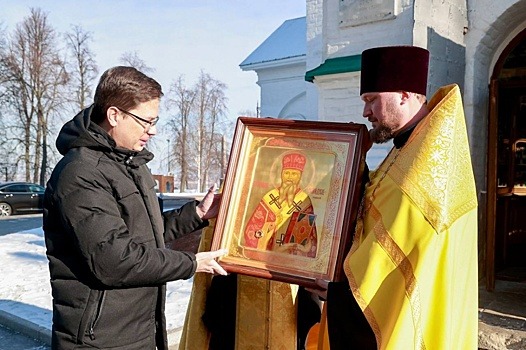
(105, 239)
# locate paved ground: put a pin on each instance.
(10, 340)
(502, 316)
(502, 325)
(17, 223)
(502, 313)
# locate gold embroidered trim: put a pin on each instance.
(403, 264)
(369, 315)
(434, 168)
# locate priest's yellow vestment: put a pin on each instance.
(413, 264)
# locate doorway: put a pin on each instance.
(506, 214)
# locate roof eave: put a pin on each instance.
(274, 63)
(334, 66)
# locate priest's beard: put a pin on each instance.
(381, 134)
(287, 191)
(389, 125)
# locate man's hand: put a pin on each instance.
(208, 208)
(206, 262)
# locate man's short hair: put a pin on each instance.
(123, 87)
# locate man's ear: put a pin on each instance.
(112, 115)
(404, 96)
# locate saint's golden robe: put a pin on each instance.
(266, 311)
(413, 264)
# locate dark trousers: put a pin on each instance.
(347, 325)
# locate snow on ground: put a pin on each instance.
(25, 290)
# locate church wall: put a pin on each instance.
(339, 101)
(440, 28)
(465, 39)
(492, 25)
(315, 24)
(279, 86)
(328, 37)
(345, 36)
(332, 31)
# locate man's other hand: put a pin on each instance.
(208, 208)
(206, 262)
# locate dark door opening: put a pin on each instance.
(510, 166)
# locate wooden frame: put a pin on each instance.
(302, 233)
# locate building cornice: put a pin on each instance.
(334, 66)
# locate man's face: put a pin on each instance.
(383, 110)
(290, 177)
(132, 133)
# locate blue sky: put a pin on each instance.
(172, 36)
(175, 37)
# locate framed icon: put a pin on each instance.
(290, 198)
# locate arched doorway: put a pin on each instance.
(506, 214)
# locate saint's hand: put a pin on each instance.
(208, 208)
(206, 262)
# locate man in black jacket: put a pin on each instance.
(105, 235)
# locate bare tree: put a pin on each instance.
(198, 123)
(82, 67)
(132, 59)
(8, 154)
(181, 101)
(34, 77)
(211, 106)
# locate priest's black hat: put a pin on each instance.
(394, 68)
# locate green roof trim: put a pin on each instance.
(336, 65)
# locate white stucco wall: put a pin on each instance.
(283, 91)
(437, 27)
(440, 27)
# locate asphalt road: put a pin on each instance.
(10, 340)
(17, 223)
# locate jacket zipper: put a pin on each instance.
(98, 312)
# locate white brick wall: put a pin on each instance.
(465, 42)
(339, 100)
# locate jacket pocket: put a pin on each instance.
(95, 316)
(90, 315)
(122, 317)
